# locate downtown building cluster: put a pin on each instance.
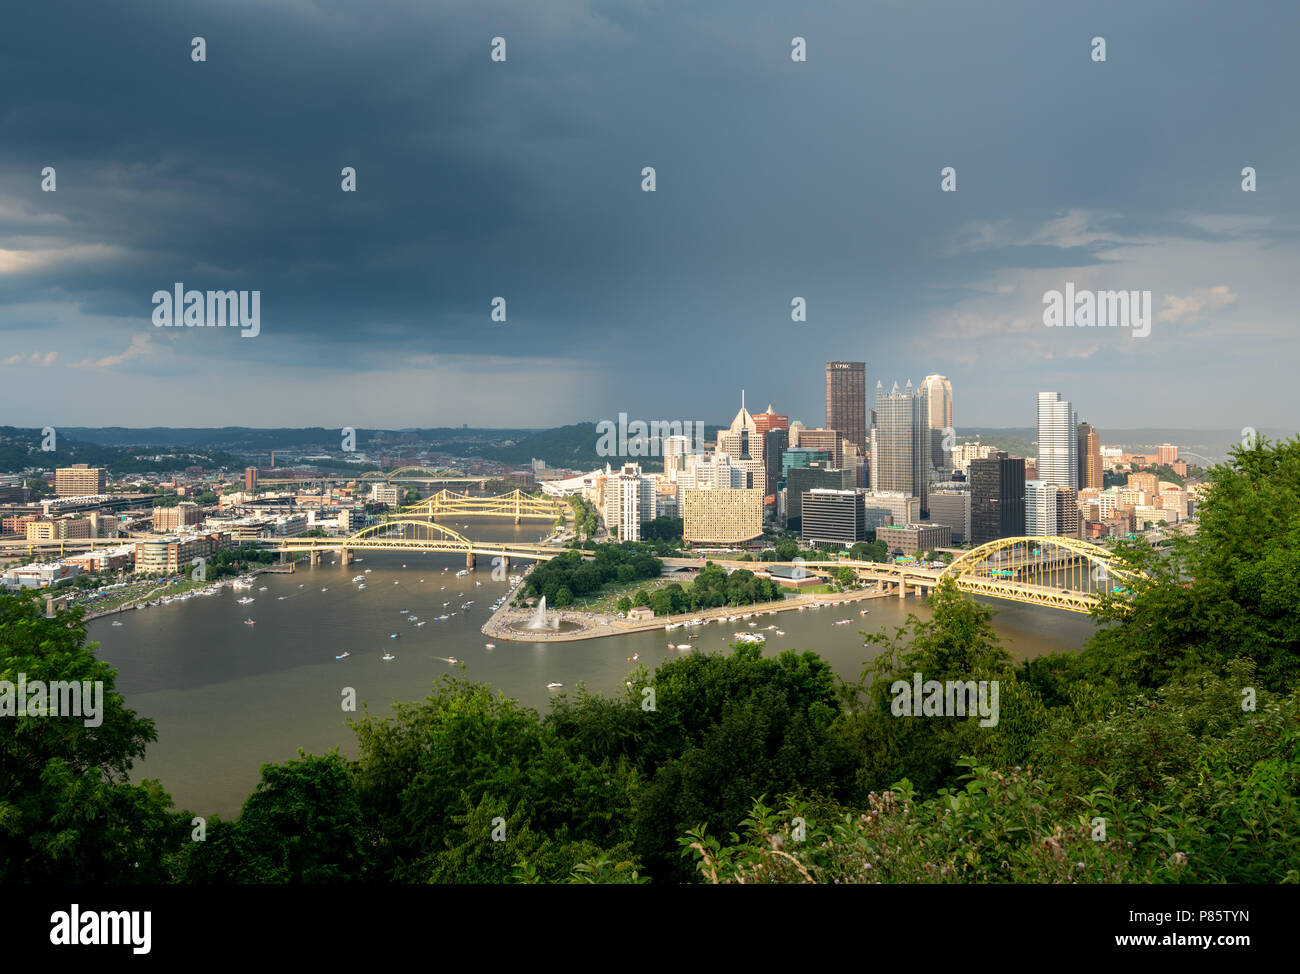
(886, 467)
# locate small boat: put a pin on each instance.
(394, 635)
(361, 587)
(343, 655)
(324, 590)
(249, 622)
(491, 645)
(282, 598)
(452, 659)
(864, 612)
(684, 646)
(245, 600)
(359, 578)
(117, 623)
(780, 632)
(403, 610)
(554, 686)
(369, 570)
(388, 657)
(636, 655)
(418, 625)
(262, 589)
(462, 573)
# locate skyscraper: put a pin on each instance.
(1089, 457)
(846, 401)
(997, 506)
(900, 443)
(938, 391)
(1058, 445)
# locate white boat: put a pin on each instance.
(418, 625)
(394, 635)
(369, 570)
(554, 686)
(359, 578)
(452, 659)
(462, 573)
(361, 587)
(402, 610)
(249, 622)
(325, 590)
(245, 600)
(262, 589)
(343, 655)
(389, 657)
(117, 623)
(780, 632)
(491, 645)
(685, 646)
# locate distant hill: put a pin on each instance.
(1197, 446)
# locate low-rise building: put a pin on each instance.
(909, 539)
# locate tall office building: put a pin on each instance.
(250, 479)
(846, 401)
(800, 480)
(997, 506)
(79, 480)
(833, 517)
(1058, 444)
(744, 446)
(771, 420)
(823, 439)
(675, 450)
(775, 442)
(629, 502)
(1051, 509)
(938, 391)
(1089, 457)
(900, 443)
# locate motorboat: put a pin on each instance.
(554, 686)
(117, 623)
(343, 655)
(403, 610)
(452, 659)
(684, 646)
(245, 600)
(491, 645)
(262, 589)
(388, 657)
(394, 635)
(325, 590)
(249, 622)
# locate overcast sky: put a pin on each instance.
(522, 179)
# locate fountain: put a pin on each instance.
(539, 620)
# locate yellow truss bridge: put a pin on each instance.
(1061, 573)
(408, 534)
(515, 504)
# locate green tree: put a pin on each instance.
(68, 812)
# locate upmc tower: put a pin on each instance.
(846, 401)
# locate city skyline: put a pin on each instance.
(474, 182)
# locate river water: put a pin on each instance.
(227, 697)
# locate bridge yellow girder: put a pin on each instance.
(416, 471)
(515, 504)
(405, 534)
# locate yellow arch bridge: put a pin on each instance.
(515, 504)
(409, 534)
(1060, 573)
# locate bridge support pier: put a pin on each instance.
(315, 557)
(469, 559)
(345, 557)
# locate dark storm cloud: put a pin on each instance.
(522, 179)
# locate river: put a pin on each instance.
(227, 697)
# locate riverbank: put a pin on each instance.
(187, 588)
(597, 625)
